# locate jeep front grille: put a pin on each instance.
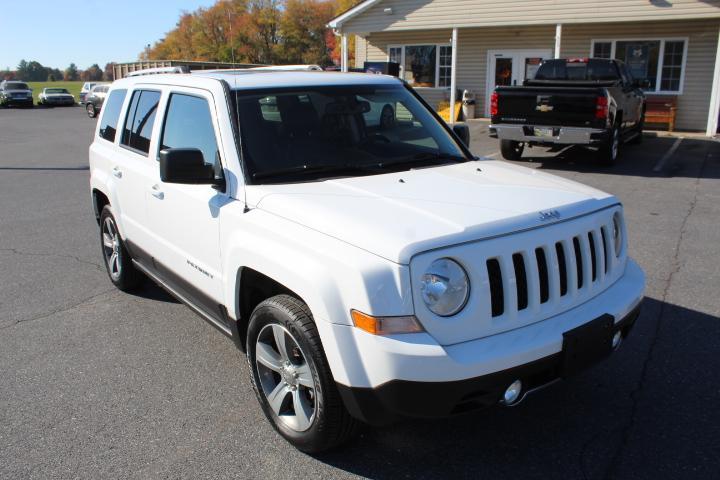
(549, 272)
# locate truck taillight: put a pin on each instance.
(493, 104)
(601, 108)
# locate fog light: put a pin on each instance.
(617, 339)
(512, 393)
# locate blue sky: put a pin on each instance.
(56, 33)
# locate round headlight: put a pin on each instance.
(445, 287)
(617, 233)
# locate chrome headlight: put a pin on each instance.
(445, 287)
(617, 233)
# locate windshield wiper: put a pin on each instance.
(305, 169)
(423, 158)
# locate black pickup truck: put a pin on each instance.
(579, 101)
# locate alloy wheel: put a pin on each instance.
(285, 376)
(111, 247)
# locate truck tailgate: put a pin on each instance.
(552, 106)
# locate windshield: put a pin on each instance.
(55, 90)
(16, 86)
(312, 133)
(594, 70)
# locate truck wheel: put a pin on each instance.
(90, 109)
(118, 263)
(292, 379)
(511, 150)
(608, 153)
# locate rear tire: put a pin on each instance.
(90, 109)
(293, 382)
(609, 152)
(118, 262)
(511, 150)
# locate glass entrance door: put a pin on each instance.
(511, 68)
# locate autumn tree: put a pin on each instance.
(253, 31)
(109, 72)
(303, 28)
(71, 73)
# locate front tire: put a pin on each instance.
(511, 150)
(90, 109)
(292, 379)
(118, 263)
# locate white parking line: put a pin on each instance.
(491, 155)
(661, 163)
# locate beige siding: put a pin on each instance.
(474, 43)
(702, 36)
(429, 14)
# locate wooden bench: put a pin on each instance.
(661, 110)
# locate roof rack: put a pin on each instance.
(284, 68)
(158, 71)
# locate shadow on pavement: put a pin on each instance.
(627, 414)
(152, 291)
(635, 160)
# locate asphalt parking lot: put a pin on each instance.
(96, 383)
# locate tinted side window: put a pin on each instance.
(188, 124)
(140, 120)
(111, 114)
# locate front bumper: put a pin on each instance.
(401, 399)
(8, 101)
(59, 101)
(561, 135)
(383, 378)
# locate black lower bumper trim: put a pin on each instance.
(400, 398)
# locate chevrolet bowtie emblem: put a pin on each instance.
(544, 108)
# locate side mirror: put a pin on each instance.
(187, 166)
(463, 132)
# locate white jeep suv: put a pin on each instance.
(371, 270)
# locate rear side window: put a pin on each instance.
(586, 70)
(140, 120)
(188, 124)
(111, 114)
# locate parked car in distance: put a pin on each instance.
(15, 93)
(55, 96)
(578, 101)
(369, 272)
(94, 100)
(87, 86)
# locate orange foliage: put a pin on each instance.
(255, 31)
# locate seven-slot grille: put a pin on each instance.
(550, 273)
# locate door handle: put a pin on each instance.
(117, 172)
(155, 192)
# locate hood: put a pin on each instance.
(18, 91)
(398, 215)
(57, 94)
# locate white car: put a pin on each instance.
(55, 96)
(370, 272)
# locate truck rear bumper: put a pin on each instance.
(560, 135)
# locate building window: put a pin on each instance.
(602, 50)
(423, 65)
(672, 66)
(445, 66)
(659, 61)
